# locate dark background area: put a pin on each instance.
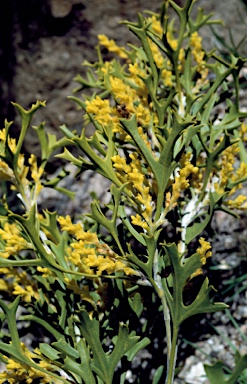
(44, 42)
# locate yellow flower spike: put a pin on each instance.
(18, 372)
(11, 141)
(243, 132)
(136, 74)
(157, 55)
(143, 115)
(36, 172)
(137, 179)
(123, 93)
(112, 46)
(204, 250)
(26, 293)
(240, 172)
(46, 272)
(197, 50)
(137, 220)
(76, 230)
(166, 76)
(4, 285)
(120, 164)
(101, 109)
(239, 203)
(196, 41)
(172, 42)
(14, 242)
(6, 173)
(180, 182)
(226, 165)
(156, 25)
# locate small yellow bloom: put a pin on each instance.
(181, 181)
(204, 250)
(197, 50)
(239, 203)
(172, 42)
(137, 220)
(26, 293)
(14, 242)
(167, 77)
(6, 173)
(157, 55)
(112, 46)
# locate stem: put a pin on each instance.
(173, 356)
(167, 319)
(166, 312)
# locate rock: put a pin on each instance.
(61, 8)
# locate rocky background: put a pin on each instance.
(43, 44)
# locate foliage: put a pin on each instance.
(172, 159)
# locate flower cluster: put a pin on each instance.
(88, 254)
(18, 176)
(18, 372)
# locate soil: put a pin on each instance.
(43, 44)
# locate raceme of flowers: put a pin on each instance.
(88, 254)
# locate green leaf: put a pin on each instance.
(83, 350)
(158, 374)
(48, 351)
(66, 348)
(136, 304)
(14, 350)
(215, 372)
(137, 348)
(104, 364)
(74, 368)
(181, 273)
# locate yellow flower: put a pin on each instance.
(156, 25)
(158, 58)
(11, 141)
(139, 186)
(6, 173)
(46, 272)
(226, 165)
(66, 225)
(243, 132)
(204, 250)
(180, 182)
(239, 202)
(88, 254)
(18, 372)
(136, 75)
(197, 50)
(167, 77)
(172, 42)
(4, 285)
(14, 242)
(112, 46)
(100, 108)
(123, 93)
(143, 115)
(137, 220)
(36, 172)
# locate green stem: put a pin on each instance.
(173, 357)
(157, 284)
